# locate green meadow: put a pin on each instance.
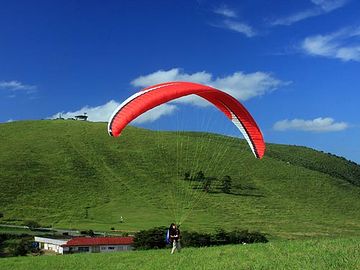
(71, 174)
(342, 253)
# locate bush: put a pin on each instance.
(150, 239)
(4, 237)
(244, 236)
(88, 233)
(32, 224)
(226, 184)
(222, 237)
(155, 238)
(195, 239)
(23, 247)
(16, 244)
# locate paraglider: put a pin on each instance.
(156, 95)
(174, 237)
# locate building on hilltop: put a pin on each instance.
(82, 117)
(85, 244)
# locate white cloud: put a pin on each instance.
(174, 74)
(242, 86)
(302, 15)
(343, 44)
(239, 27)
(230, 23)
(316, 125)
(321, 7)
(10, 120)
(330, 5)
(102, 113)
(16, 85)
(225, 11)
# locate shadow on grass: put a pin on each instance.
(237, 194)
(230, 193)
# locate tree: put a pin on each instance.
(150, 239)
(87, 212)
(187, 176)
(226, 182)
(32, 224)
(21, 249)
(88, 232)
(207, 183)
(200, 176)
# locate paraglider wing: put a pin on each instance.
(156, 95)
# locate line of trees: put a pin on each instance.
(208, 182)
(17, 245)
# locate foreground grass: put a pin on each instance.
(306, 254)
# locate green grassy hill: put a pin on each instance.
(72, 174)
(305, 254)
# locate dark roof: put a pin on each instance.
(96, 241)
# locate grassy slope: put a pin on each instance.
(52, 170)
(305, 254)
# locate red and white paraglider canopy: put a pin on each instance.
(156, 95)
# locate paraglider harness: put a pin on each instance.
(171, 232)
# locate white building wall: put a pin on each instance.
(115, 248)
(50, 244)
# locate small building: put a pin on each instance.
(49, 244)
(85, 244)
(83, 117)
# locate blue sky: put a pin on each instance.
(294, 64)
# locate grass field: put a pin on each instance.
(343, 253)
(71, 174)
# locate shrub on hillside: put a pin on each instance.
(17, 244)
(226, 184)
(88, 233)
(32, 224)
(21, 248)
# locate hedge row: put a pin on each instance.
(155, 238)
